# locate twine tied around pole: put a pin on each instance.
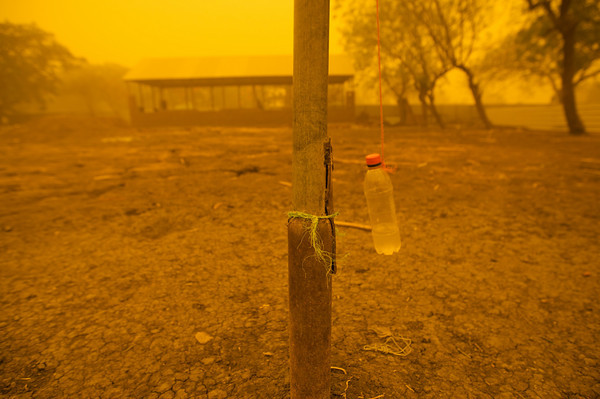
(315, 241)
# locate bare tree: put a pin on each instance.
(408, 55)
(577, 23)
(398, 80)
(454, 27)
(410, 44)
(429, 38)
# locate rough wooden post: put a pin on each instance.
(311, 60)
(309, 281)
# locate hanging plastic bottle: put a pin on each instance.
(380, 202)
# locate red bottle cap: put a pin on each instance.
(373, 159)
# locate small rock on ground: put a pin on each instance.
(203, 337)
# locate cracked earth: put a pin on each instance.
(153, 263)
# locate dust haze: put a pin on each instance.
(146, 180)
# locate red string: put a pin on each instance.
(380, 92)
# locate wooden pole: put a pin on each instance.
(311, 50)
(309, 279)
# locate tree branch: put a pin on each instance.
(545, 4)
(554, 85)
(449, 48)
(585, 76)
(397, 93)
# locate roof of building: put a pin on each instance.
(209, 71)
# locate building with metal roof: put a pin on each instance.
(253, 90)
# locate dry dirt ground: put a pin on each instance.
(118, 246)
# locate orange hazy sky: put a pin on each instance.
(125, 31)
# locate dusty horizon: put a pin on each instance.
(127, 33)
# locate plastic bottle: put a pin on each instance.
(380, 202)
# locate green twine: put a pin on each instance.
(315, 241)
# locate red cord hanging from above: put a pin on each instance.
(386, 168)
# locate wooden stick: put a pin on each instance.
(353, 225)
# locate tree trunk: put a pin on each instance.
(402, 112)
(568, 88)
(410, 116)
(434, 111)
(401, 101)
(477, 97)
(424, 107)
